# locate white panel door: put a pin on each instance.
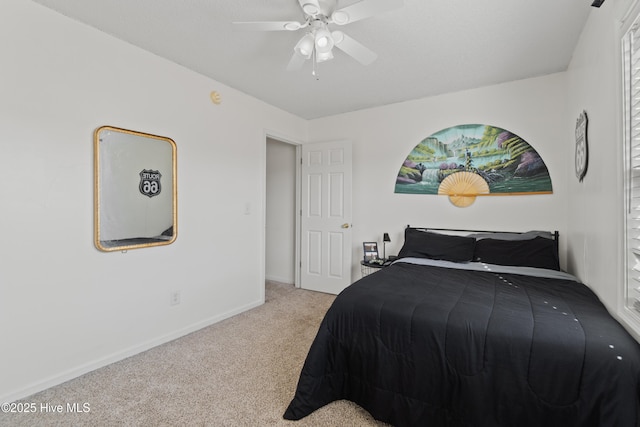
(326, 217)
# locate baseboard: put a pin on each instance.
(285, 280)
(70, 374)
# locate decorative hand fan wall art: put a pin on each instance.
(467, 161)
(318, 41)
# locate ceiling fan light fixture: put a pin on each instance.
(326, 56)
(304, 46)
(323, 40)
(318, 41)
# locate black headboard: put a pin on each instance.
(555, 234)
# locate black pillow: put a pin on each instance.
(423, 244)
(539, 252)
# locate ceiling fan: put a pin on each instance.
(318, 41)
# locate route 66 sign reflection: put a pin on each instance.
(582, 148)
(150, 182)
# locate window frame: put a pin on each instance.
(629, 301)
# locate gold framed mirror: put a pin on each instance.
(135, 191)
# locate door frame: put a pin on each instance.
(298, 209)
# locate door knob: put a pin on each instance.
(345, 225)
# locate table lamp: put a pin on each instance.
(385, 239)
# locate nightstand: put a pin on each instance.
(368, 268)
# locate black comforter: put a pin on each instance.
(420, 345)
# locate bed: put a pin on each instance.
(476, 330)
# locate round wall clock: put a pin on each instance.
(582, 147)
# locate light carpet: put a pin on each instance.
(239, 372)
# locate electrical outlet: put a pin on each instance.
(174, 298)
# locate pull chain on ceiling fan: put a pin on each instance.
(318, 41)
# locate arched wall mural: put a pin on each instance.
(471, 160)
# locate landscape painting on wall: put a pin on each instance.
(475, 159)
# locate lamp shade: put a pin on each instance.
(324, 56)
(305, 45)
(385, 237)
(323, 40)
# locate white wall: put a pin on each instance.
(65, 307)
(280, 212)
(595, 205)
(534, 109)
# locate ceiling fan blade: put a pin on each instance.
(296, 62)
(357, 51)
(270, 25)
(364, 9)
(310, 7)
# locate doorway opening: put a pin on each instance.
(281, 208)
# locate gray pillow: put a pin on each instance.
(513, 236)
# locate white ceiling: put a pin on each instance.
(427, 47)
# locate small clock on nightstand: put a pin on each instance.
(582, 146)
